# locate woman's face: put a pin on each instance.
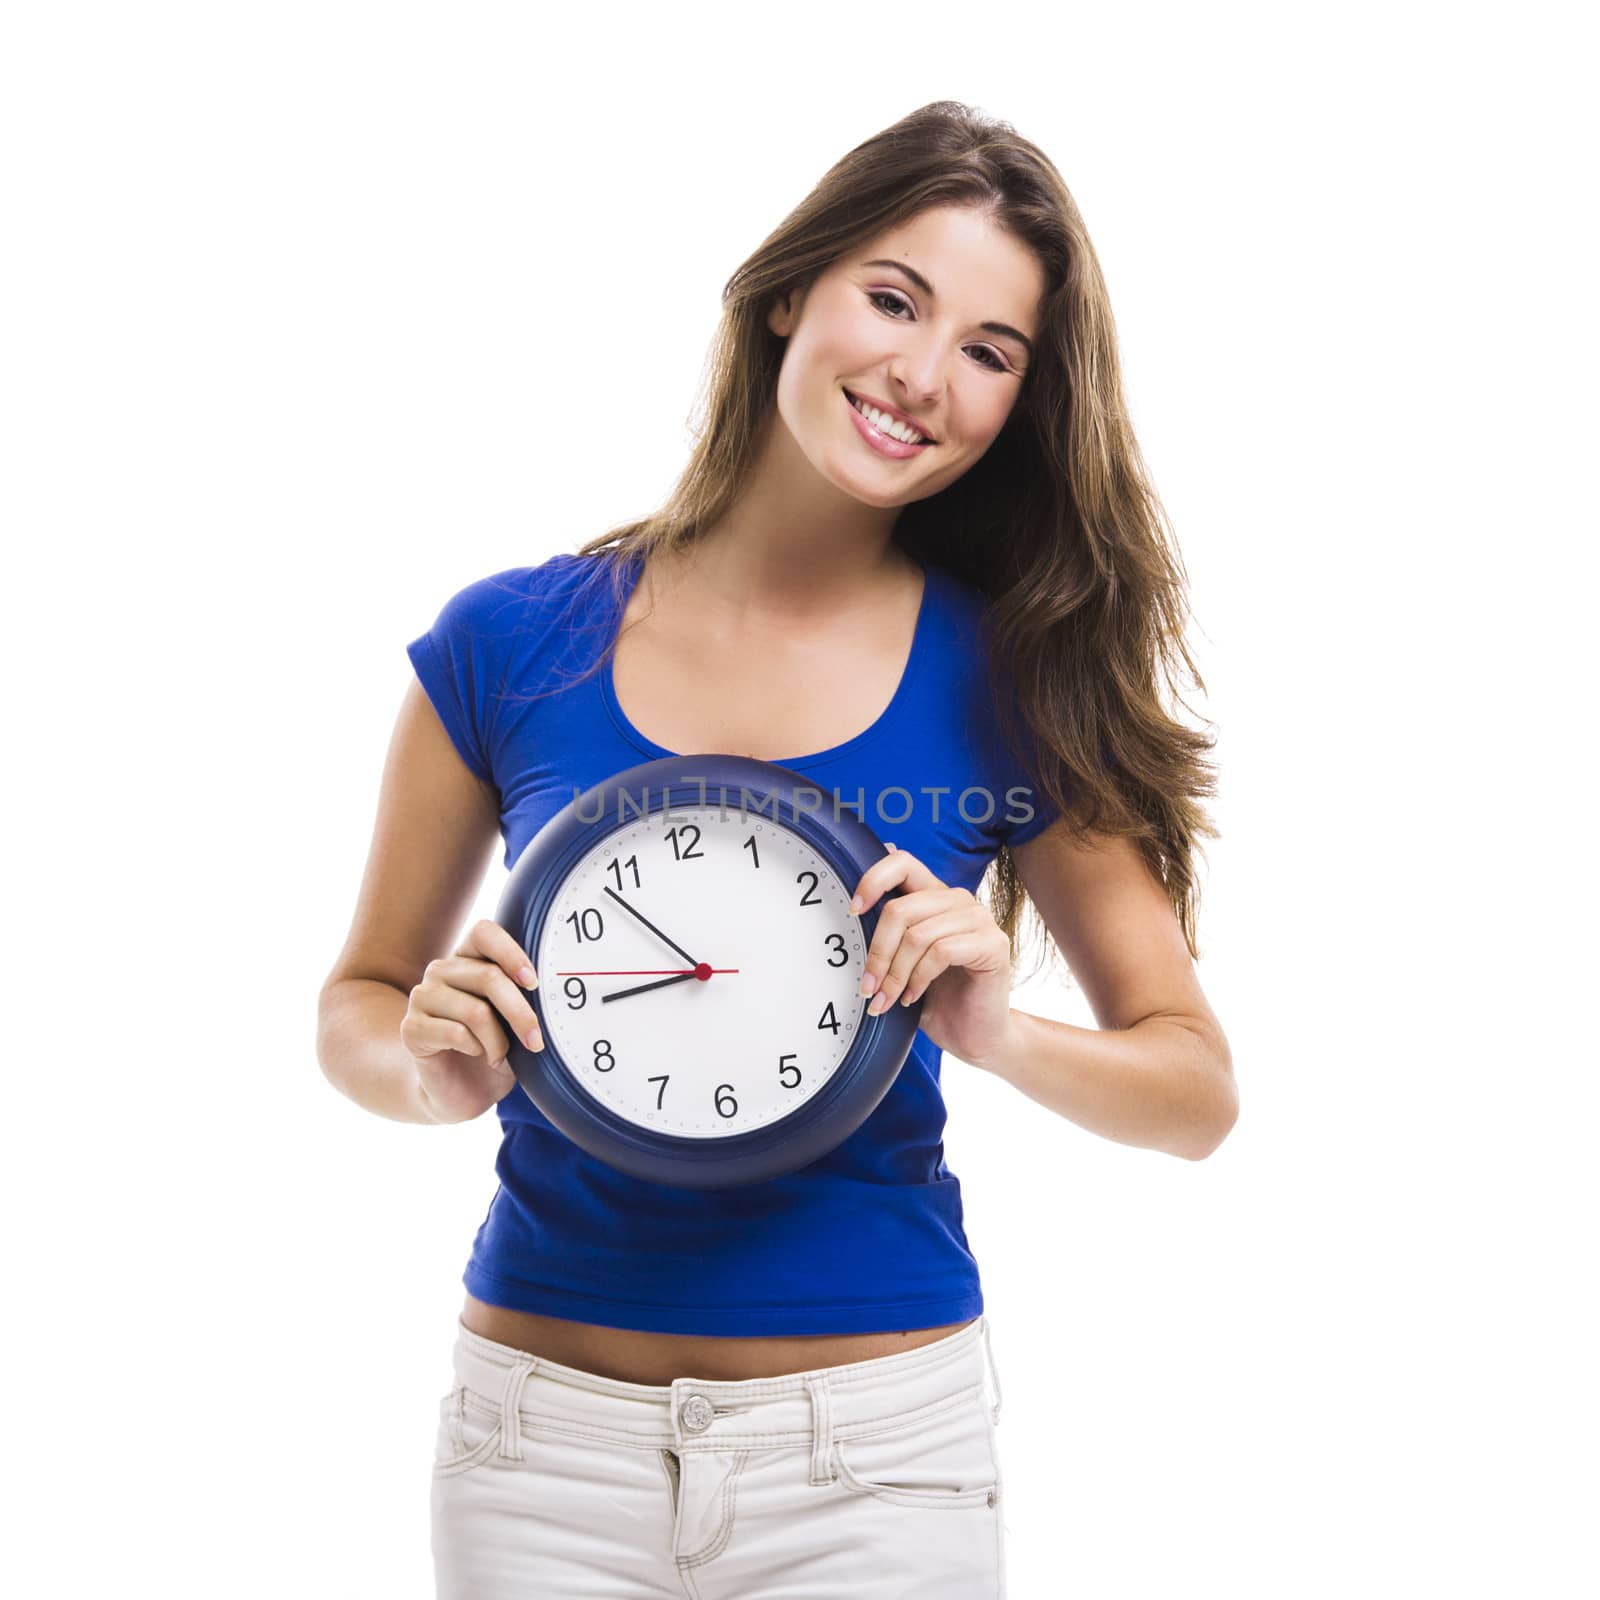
(949, 352)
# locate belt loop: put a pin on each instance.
(994, 1371)
(821, 1429)
(511, 1409)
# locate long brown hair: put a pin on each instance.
(1057, 524)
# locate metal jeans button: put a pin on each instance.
(696, 1413)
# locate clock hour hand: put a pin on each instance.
(633, 911)
(660, 983)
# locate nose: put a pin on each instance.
(917, 376)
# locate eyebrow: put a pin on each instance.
(1004, 329)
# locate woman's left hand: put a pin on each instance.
(941, 944)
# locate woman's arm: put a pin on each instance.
(1158, 1072)
(437, 824)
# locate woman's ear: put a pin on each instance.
(784, 313)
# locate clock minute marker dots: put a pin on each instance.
(744, 1043)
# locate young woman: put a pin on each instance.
(916, 518)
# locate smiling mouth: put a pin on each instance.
(921, 440)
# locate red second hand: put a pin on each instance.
(703, 971)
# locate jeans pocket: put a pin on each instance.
(468, 1432)
(944, 1461)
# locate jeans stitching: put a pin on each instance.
(724, 1533)
(671, 1474)
(535, 1423)
(473, 1458)
(457, 1417)
(994, 1371)
(821, 1430)
(510, 1408)
(743, 1446)
(936, 1499)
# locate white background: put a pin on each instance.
(315, 313)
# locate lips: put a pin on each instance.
(889, 411)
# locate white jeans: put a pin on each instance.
(871, 1480)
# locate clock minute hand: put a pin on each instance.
(640, 988)
(634, 911)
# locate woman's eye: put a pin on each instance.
(875, 295)
(994, 363)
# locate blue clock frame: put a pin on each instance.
(874, 1058)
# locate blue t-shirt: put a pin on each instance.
(868, 1238)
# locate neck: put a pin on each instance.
(794, 547)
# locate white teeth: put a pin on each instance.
(886, 424)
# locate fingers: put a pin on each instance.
(923, 895)
(908, 926)
(460, 1020)
(453, 1084)
(429, 1034)
(464, 985)
(489, 940)
(957, 945)
(456, 1023)
(505, 981)
(898, 867)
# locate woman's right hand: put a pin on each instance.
(455, 1025)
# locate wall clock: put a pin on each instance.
(689, 920)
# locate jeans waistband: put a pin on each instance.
(693, 1414)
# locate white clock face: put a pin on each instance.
(765, 926)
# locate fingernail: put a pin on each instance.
(855, 905)
(869, 982)
(880, 1002)
(526, 978)
(534, 1041)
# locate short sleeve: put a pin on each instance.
(1017, 803)
(460, 663)
(1022, 810)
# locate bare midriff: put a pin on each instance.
(667, 652)
(659, 1358)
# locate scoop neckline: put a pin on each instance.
(908, 674)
